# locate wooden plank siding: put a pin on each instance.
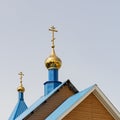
(89, 109)
(51, 104)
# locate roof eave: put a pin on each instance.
(106, 103)
(102, 98)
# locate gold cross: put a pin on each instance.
(21, 76)
(52, 29)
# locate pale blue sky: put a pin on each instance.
(88, 43)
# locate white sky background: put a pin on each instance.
(88, 42)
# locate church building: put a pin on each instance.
(63, 101)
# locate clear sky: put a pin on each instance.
(88, 43)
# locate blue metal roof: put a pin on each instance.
(68, 104)
(19, 108)
(42, 99)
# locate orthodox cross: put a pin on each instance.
(52, 29)
(21, 76)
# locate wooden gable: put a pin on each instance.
(48, 106)
(89, 109)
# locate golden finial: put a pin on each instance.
(21, 88)
(53, 61)
(52, 29)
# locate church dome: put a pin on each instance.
(53, 61)
(20, 89)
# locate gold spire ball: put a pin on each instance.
(21, 88)
(53, 61)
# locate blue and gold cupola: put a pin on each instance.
(21, 105)
(53, 64)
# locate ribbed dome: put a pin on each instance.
(53, 61)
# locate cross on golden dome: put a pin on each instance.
(53, 61)
(53, 29)
(21, 76)
(21, 88)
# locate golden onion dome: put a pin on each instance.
(53, 61)
(21, 88)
